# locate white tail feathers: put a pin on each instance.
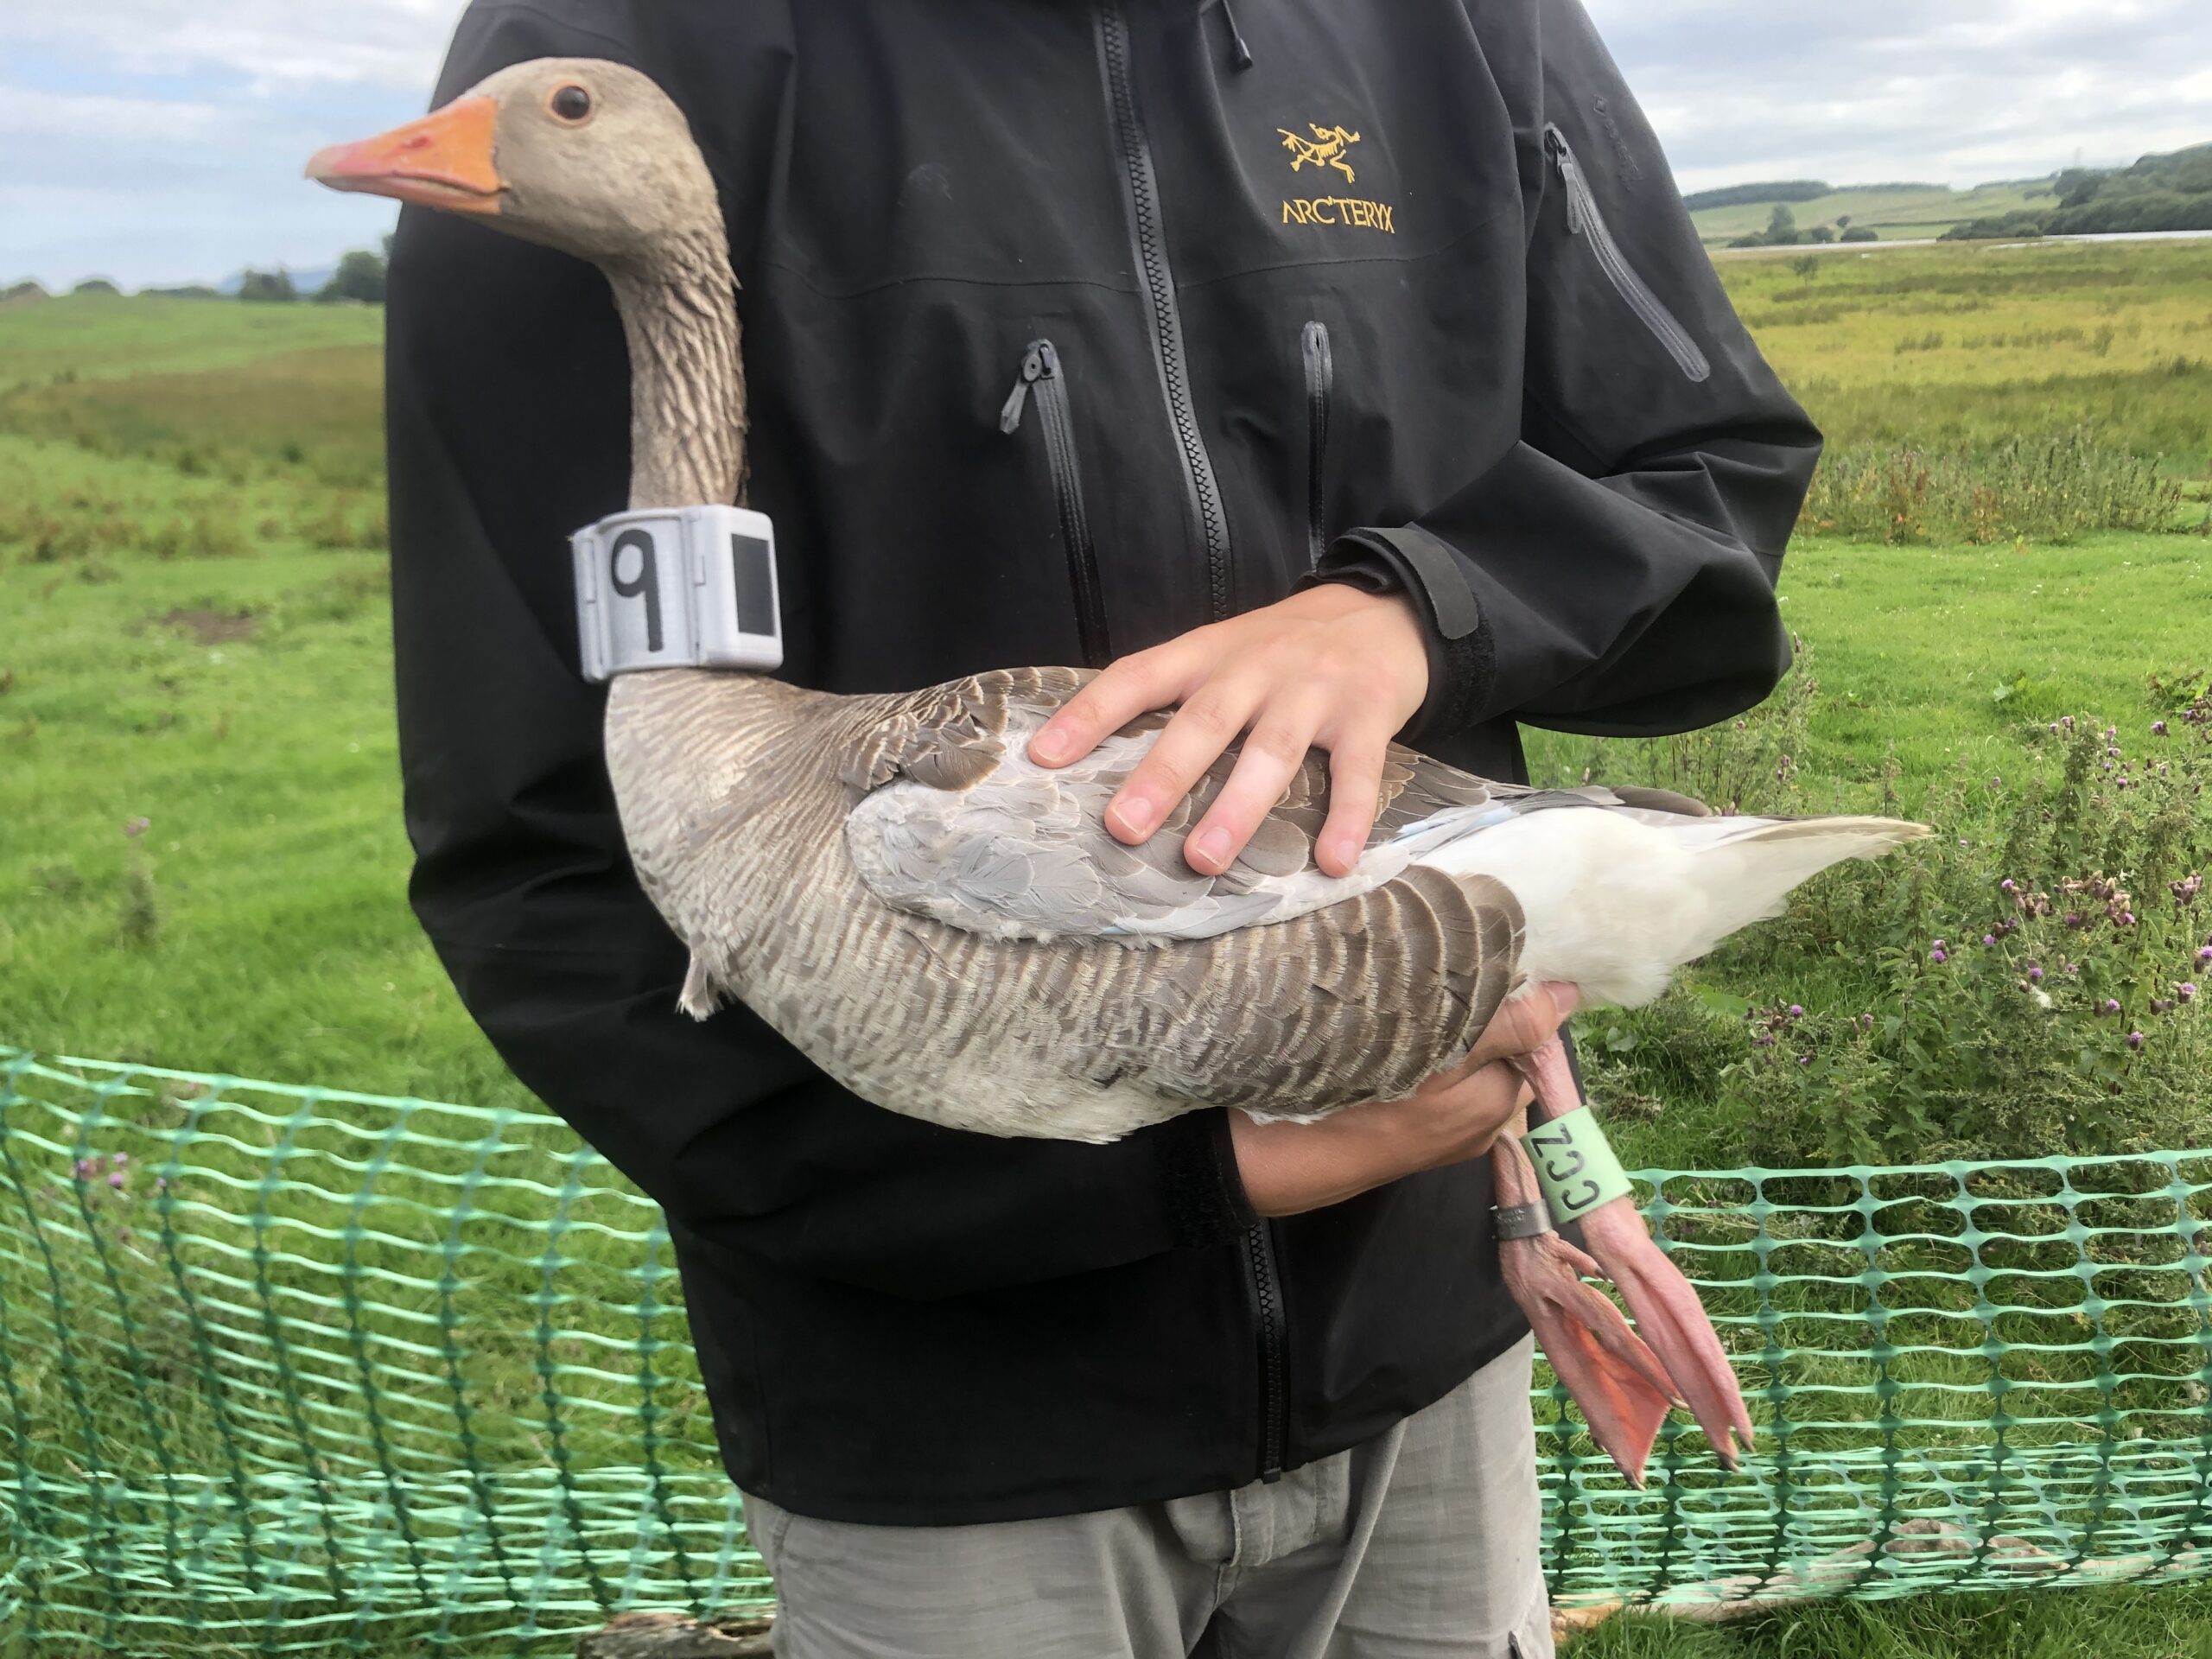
(1615, 901)
(1747, 873)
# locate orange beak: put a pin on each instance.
(445, 160)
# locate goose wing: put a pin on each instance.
(954, 823)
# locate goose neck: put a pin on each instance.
(687, 383)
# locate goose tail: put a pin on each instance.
(1744, 868)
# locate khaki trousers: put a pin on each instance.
(1421, 1542)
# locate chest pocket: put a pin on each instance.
(1043, 382)
(1585, 220)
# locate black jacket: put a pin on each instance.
(1348, 301)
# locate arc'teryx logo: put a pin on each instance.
(1327, 149)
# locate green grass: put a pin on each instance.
(2171, 1623)
(1974, 345)
(104, 337)
(190, 561)
(1893, 215)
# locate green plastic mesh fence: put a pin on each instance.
(298, 1370)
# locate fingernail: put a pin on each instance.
(1136, 814)
(1050, 745)
(1211, 849)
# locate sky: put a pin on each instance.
(161, 141)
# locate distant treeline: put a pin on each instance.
(2159, 192)
(360, 277)
(1739, 195)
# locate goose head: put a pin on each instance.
(594, 160)
(579, 154)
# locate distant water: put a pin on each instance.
(1994, 242)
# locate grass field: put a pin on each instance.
(191, 562)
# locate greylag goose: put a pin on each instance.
(943, 924)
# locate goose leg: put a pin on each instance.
(1668, 1314)
(1619, 1384)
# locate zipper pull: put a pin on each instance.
(1563, 158)
(1036, 365)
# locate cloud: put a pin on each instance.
(155, 141)
(274, 44)
(160, 140)
(1963, 93)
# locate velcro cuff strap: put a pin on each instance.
(1436, 570)
(677, 587)
(1574, 1166)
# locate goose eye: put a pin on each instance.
(572, 104)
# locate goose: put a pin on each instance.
(945, 926)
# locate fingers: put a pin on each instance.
(1193, 741)
(1354, 791)
(1135, 685)
(1471, 1111)
(1527, 1022)
(1272, 756)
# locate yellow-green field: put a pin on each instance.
(191, 576)
(1893, 215)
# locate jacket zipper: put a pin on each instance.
(1260, 1250)
(1205, 494)
(1203, 499)
(1041, 370)
(1320, 381)
(1584, 219)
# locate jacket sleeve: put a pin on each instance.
(1613, 571)
(508, 426)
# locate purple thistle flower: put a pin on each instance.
(2035, 972)
(2185, 990)
(121, 1161)
(1796, 1010)
(2135, 1039)
(116, 1180)
(2158, 728)
(1938, 956)
(2009, 885)
(1989, 938)
(137, 827)
(2111, 1006)
(1804, 1059)
(2205, 955)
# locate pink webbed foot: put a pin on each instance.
(1617, 1382)
(1668, 1315)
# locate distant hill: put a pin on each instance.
(1736, 195)
(2170, 192)
(1894, 211)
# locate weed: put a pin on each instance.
(1748, 764)
(139, 918)
(2048, 489)
(56, 880)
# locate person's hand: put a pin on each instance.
(1332, 668)
(1289, 1168)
